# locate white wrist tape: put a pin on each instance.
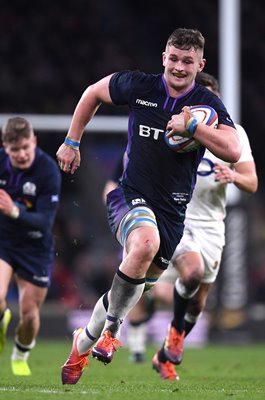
(14, 213)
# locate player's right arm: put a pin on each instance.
(243, 175)
(68, 154)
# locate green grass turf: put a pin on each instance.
(213, 372)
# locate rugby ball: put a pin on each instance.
(205, 114)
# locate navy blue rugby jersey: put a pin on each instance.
(36, 192)
(118, 170)
(164, 177)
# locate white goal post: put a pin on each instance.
(61, 123)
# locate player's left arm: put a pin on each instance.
(43, 216)
(243, 175)
(68, 154)
(223, 142)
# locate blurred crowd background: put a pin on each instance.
(50, 51)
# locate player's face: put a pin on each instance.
(181, 67)
(22, 152)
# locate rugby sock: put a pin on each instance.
(189, 322)
(180, 305)
(182, 321)
(136, 336)
(124, 294)
(188, 326)
(94, 328)
(22, 351)
(182, 297)
(2, 317)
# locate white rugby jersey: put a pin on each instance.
(208, 201)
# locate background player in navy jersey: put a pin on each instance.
(147, 210)
(30, 182)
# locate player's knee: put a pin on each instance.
(192, 282)
(29, 316)
(190, 268)
(146, 250)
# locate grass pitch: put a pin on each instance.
(213, 372)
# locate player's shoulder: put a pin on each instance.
(244, 140)
(3, 157)
(135, 78)
(2, 153)
(46, 163)
(206, 96)
(205, 91)
(241, 131)
(202, 95)
(45, 157)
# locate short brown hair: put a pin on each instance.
(185, 39)
(16, 128)
(208, 80)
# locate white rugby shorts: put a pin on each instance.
(206, 238)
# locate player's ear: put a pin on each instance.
(34, 139)
(163, 58)
(5, 147)
(202, 64)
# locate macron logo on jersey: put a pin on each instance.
(146, 103)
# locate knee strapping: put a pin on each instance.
(139, 216)
(150, 281)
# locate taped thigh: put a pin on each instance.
(135, 218)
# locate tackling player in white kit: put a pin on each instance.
(197, 257)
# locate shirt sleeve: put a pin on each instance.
(123, 85)
(46, 205)
(208, 97)
(246, 154)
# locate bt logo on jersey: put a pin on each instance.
(148, 131)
